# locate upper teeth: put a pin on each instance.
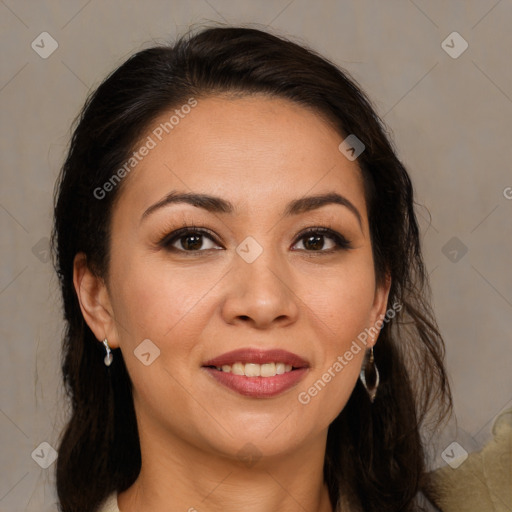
(256, 370)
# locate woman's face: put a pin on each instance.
(250, 273)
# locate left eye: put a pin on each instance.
(314, 240)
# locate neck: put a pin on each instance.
(177, 476)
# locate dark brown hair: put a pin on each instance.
(375, 458)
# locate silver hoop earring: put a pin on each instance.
(109, 357)
(370, 375)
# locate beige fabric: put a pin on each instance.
(110, 504)
(483, 482)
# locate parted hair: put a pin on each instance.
(376, 458)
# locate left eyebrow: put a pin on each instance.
(216, 204)
(307, 204)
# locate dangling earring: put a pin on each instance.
(370, 375)
(109, 357)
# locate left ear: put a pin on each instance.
(379, 306)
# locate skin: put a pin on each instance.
(259, 153)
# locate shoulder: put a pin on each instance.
(110, 504)
(482, 480)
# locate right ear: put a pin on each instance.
(94, 301)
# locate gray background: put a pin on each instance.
(450, 118)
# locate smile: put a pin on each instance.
(256, 370)
(257, 373)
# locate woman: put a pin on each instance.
(245, 296)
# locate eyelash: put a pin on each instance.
(340, 241)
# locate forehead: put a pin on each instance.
(254, 150)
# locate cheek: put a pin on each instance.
(155, 300)
(341, 311)
(342, 301)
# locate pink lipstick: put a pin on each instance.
(257, 373)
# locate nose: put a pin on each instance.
(260, 293)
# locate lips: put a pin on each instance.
(247, 355)
(257, 387)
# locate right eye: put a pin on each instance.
(189, 240)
